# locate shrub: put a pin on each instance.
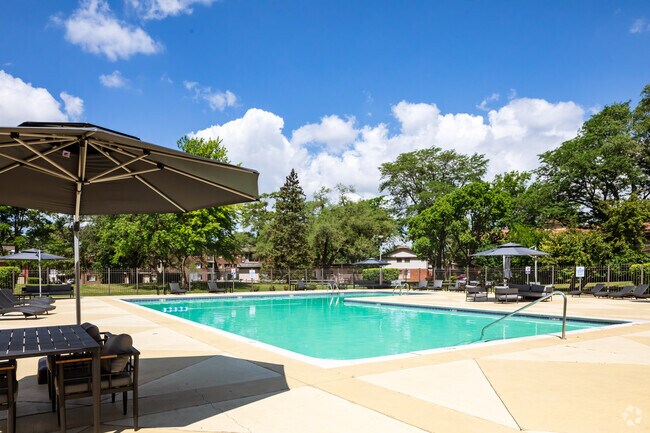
(9, 276)
(388, 274)
(33, 280)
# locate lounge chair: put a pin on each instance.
(17, 303)
(6, 306)
(437, 285)
(39, 300)
(175, 289)
(597, 290)
(625, 291)
(640, 292)
(213, 287)
(422, 285)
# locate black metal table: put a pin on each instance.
(54, 340)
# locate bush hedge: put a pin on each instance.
(388, 274)
(9, 276)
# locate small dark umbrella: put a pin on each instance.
(33, 254)
(509, 250)
(371, 262)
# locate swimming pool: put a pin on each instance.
(338, 328)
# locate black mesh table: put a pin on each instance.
(50, 341)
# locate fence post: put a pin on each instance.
(552, 275)
(137, 281)
(608, 274)
(642, 267)
(109, 281)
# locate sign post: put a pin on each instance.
(580, 273)
(527, 274)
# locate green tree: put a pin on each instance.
(601, 164)
(24, 228)
(576, 247)
(416, 179)
(623, 228)
(210, 149)
(347, 231)
(288, 231)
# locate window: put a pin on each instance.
(407, 260)
(399, 260)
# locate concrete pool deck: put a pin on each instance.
(193, 379)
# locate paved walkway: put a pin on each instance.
(193, 379)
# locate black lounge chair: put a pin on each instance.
(175, 289)
(213, 287)
(640, 292)
(422, 285)
(625, 291)
(38, 300)
(6, 307)
(597, 290)
(17, 303)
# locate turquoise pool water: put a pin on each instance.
(333, 327)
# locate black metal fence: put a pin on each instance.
(140, 281)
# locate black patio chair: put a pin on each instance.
(8, 392)
(119, 374)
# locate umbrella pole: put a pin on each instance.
(40, 283)
(75, 231)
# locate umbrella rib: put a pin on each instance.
(213, 184)
(28, 163)
(109, 171)
(147, 184)
(124, 176)
(44, 157)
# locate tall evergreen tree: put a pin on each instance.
(289, 228)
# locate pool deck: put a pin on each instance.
(193, 379)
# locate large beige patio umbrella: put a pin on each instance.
(83, 169)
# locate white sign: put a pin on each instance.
(580, 271)
(251, 273)
(527, 270)
(233, 272)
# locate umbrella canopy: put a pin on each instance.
(32, 254)
(371, 262)
(510, 249)
(83, 169)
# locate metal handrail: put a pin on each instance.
(557, 292)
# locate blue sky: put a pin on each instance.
(332, 88)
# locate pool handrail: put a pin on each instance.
(557, 292)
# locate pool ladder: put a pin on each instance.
(332, 287)
(530, 305)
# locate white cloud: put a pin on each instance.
(94, 28)
(639, 26)
(20, 102)
(114, 80)
(216, 100)
(484, 103)
(332, 131)
(161, 9)
(511, 137)
(73, 105)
